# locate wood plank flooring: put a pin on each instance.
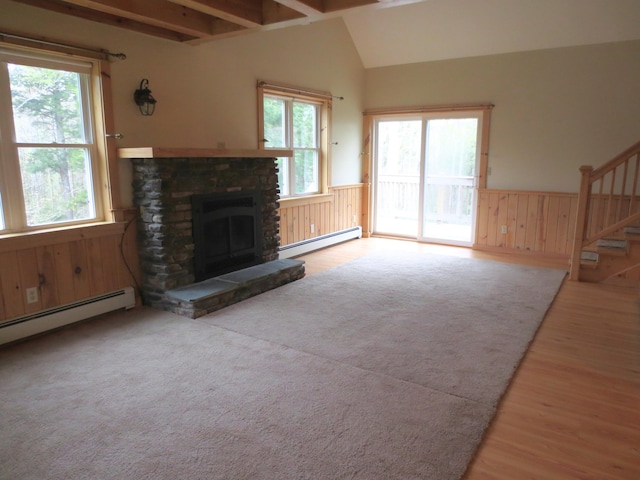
(572, 410)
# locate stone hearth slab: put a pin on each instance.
(257, 272)
(202, 290)
(215, 293)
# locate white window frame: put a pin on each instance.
(323, 101)
(12, 198)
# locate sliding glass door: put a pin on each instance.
(398, 173)
(425, 170)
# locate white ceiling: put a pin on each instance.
(444, 29)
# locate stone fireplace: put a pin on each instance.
(234, 198)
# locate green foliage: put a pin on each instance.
(449, 167)
(399, 147)
(304, 130)
(306, 165)
(304, 125)
(47, 105)
(451, 147)
(47, 110)
(274, 122)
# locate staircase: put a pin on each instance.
(607, 239)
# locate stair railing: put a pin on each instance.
(609, 200)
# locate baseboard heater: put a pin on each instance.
(56, 317)
(306, 246)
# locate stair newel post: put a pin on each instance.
(581, 220)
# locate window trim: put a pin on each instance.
(105, 178)
(324, 100)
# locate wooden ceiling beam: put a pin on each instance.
(199, 21)
(308, 8)
(107, 19)
(339, 5)
(247, 13)
(276, 13)
(158, 13)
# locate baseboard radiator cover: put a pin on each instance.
(27, 325)
(321, 241)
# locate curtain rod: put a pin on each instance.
(120, 56)
(435, 108)
(299, 91)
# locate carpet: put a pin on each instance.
(387, 367)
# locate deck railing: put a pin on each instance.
(608, 201)
(398, 195)
(449, 199)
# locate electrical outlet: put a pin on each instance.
(354, 219)
(313, 228)
(32, 295)
(504, 229)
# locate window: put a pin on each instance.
(48, 168)
(297, 121)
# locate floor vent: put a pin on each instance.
(322, 241)
(32, 324)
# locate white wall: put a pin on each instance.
(207, 94)
(555, 110)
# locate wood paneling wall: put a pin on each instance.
(341, 208)
(65, 266)
(71, 265)
(81, 263)
(537, 222)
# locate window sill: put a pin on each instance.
(306, 200)
(53, 236)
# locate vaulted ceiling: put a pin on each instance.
(445, 29)
(412, 31)
(197, 21)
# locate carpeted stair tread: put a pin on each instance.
(616, 243)
(589, 256)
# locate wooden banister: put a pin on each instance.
(614, 162)
(581, 220)
(606, 212)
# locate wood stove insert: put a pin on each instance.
(227, 232)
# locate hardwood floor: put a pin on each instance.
(572, 410)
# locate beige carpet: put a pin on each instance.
(388, 367)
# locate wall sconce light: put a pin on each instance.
(143, 98)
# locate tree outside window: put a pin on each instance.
(294, 123)
(53, 145)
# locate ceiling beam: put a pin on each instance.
(246, 13)
(107, 19)
(159, 13)
(309, 8)
(339, 5)
(276, 13)
(199, 21)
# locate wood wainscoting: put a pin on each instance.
(339, 209)
(66, 266)
(540, 223)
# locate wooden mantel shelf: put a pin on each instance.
(169, 152)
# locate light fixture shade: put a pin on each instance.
(143, 98)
